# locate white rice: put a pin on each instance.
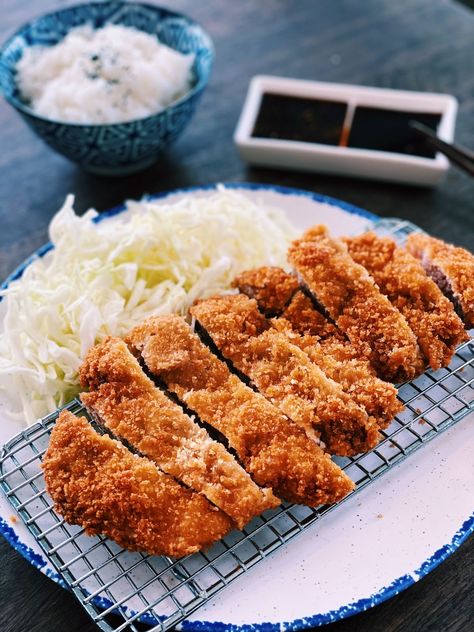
(108, 75)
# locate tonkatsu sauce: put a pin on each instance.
(381, 129)
(302, 119)
(327, 122)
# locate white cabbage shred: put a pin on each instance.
(103, 278)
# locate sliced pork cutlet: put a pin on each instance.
(97, 483)
(403, 280)
(349, 295)
(340, 362)
(273, 449)
(285, 375)
(324, 344)
(278, 294)
(306, 319)
(127, 402)
(451, 268)
(273, 288)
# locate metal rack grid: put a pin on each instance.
(129, 591)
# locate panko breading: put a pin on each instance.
(341, 363)
(306, 319)
(97, 483)
(345, 289)
(271, 287)
(403, 280)
(451, 268)
(273, 449)
(127, 402)
(285, 375)
(325, 345)
(278, 294)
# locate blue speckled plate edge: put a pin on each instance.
(397, 586)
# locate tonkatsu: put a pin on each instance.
(325, 345)
(353, 301)
(451, 268)
(285, 375)
(273, 449)
(201, 423)
(128, 403)
(402, 279)
(97, 483)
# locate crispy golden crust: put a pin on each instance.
(456, 265)
(403, 280)
(271, 287)
(341, 363)
(277, 294)
(274, 450)
(373, 325)
(325, 345)
(131, 407)
(305, 319)
(97, 483)
(284, 374)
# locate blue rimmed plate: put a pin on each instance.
(421, 509)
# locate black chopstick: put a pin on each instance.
(458, 155)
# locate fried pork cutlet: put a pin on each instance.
(451, 268)
(128, 403)
(349, 295)
(274, 450)
(306, 319)
(272, 288)
(403, 280)
(325, 345)
(97, 483)
(285, 375)
(278, 294)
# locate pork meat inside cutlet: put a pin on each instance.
(451, 268)
(129, 404)
(285, 375)
(97, 483)
(324, 344)
(374, 326)
(273, 449)
(403, 280)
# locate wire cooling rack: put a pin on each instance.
(129, 591)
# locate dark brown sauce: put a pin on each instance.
(321, 121)
(389, 130)
(296, 118)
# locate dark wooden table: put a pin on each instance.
(410, 44)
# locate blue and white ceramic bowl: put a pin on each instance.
(121, 148)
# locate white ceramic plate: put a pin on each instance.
(372, 547)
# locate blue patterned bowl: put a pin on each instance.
(121, 148)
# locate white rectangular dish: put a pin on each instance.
(344, 160)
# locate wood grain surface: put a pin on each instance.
(409, 44)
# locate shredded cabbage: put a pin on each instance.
(103, 278)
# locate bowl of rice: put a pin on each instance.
(109, 85)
